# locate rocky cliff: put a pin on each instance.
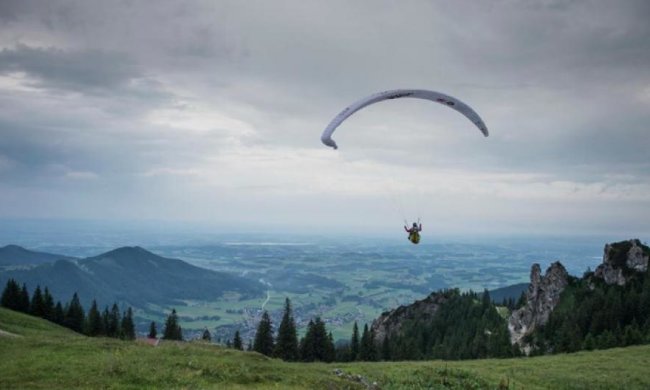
(541, 298)
(621, 260)
(390, 322)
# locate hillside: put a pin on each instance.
(14, 255)
(42, 355)
(132, 275)
(509, 292)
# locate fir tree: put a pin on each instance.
(487, 301)
(48, 301)
(206, 336)
(58, 316)
(307, 344)
(23, 301)
(354, 343)
(106, 321)
(330, 349)
(286, 347)
(94, 324)
(113, 323)
(589, 342)
(153, 333)
(249, 348)
(385, 349)
(37, 307)
(74, 315)
(264, 336)
(367, 345)
(127, 326)
(236, 341)
(317, 344)
(172, 330)
(11, 298)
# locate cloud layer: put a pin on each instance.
(212, 111)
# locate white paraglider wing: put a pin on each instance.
(438, 97)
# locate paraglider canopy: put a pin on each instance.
(434, 96)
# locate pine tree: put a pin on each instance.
(632, 335)
(385, 349)
(487, 301)
(23, 301)
(363, 345)
(94, 325)
(11, 296)
(373, 348)
(286, 347)
(74, 315)
(206, 336)
(58, 316)
(153, 333)
(317, 344)
(589, 343)
(172, 330)
(322, 350)
(127, 326)
(330, 349)
(264, 336)
(236, 341)
(48, 301)
(37, 307)
(113, 322)
(354, 343)
(307, 348)
(250, 345)
(367, 346)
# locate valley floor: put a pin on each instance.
(46, 356)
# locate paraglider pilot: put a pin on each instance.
(414, 232)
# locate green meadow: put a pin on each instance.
(37, 354)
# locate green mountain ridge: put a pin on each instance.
(133, 276)
(38, 354)
(14, 255)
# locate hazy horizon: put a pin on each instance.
(50, 233)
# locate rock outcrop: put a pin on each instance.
(541, 298)
(621, 259)
(390, 323)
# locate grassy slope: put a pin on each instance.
(47, 356)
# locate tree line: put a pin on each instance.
(316, 345)
(109, 322)
(595, 315)
(465, 326)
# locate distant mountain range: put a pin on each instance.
(14, 255)
(131, 275)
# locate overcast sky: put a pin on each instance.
(211, 112)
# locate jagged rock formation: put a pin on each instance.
(621, 259)
(541, 298)
(390, 322)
